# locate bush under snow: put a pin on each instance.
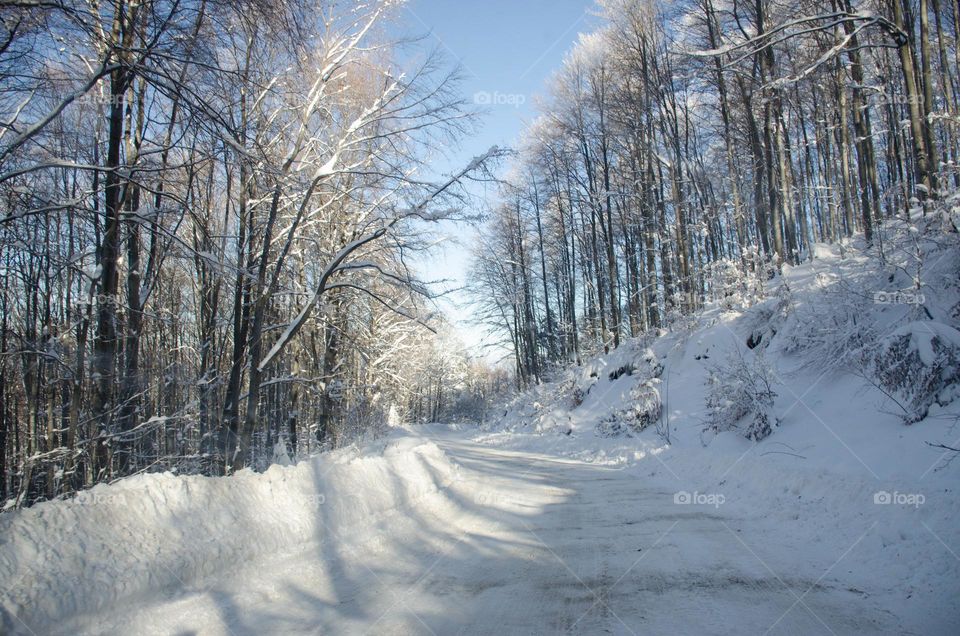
(643, 405)
(740, 397)
(919, 365)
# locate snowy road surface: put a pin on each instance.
(522, 543)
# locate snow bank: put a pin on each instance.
(154, 533)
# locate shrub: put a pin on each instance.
(742, 392)
(918, 365)
(644, 405)
(643, 410)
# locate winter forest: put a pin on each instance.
(513, 316)
(210, 208)
(687, 149)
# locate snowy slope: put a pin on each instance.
(830, 416)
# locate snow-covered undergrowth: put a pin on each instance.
(143, 535)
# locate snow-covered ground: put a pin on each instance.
(560, 516)
(483, 540)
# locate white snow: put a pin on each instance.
(151, 536)
(923, 333)
(842, 521)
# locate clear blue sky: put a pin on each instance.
(507, 50)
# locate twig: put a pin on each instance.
(782, 453)
(944, 446)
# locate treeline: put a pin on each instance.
(207, 208)
(687, 150)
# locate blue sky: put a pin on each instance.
(507, 50)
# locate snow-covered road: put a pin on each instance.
(523, 543)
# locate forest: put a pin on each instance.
(687, 151)
(209, 212)
(211, 208)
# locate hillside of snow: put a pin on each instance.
(822, 335)
(849, 461)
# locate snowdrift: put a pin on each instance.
(155, 533)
